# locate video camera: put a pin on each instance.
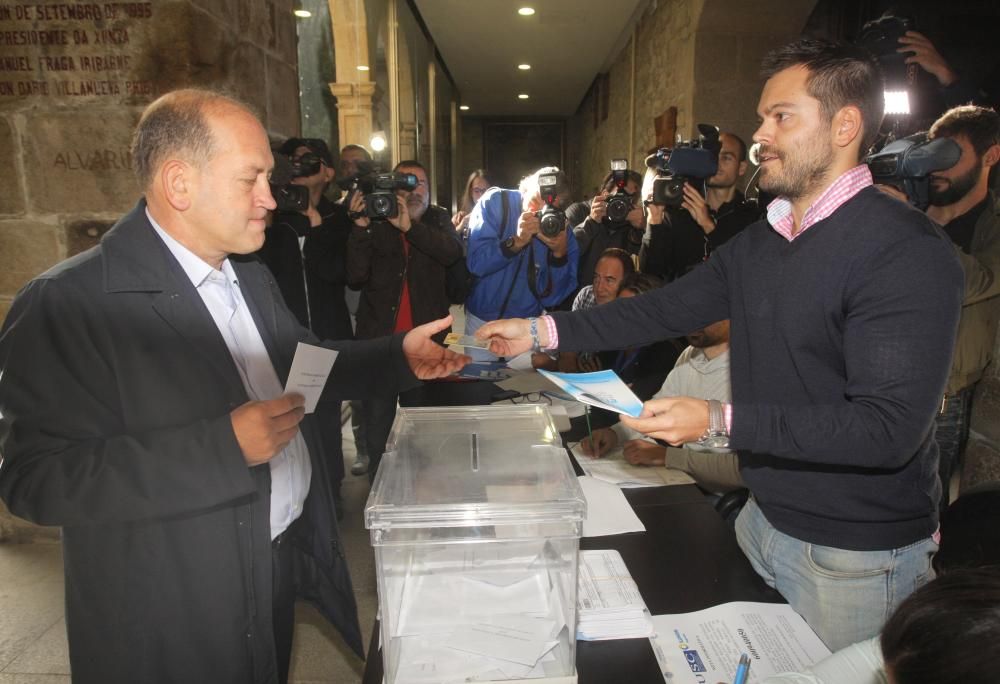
(692, 160)
(552, 218)
(378, 188)
(289, 198)
(907, 164)
(620, 203)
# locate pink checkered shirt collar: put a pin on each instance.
(850, 183)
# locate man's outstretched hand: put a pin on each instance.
(511, 336)
(428, 359)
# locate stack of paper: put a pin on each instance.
(608, 602)
(614, 469)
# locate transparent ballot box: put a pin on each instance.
(475, 517)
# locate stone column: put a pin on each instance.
(354, 111)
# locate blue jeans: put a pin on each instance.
(845, 596)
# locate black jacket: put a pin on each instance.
(671, 249)
(594, 237)
(115, 394)
(376, 265)
(318, 268)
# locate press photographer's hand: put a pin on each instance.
(655, 213)
(357, 210)
(698, 208)
(557, 244)
(401, 221)
(527, 227)
(599, 207)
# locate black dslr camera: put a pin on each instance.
(552, 219)
(907, 164)
(620, 203)
(688, 161)
(378, 188)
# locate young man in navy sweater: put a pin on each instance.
(843, 304)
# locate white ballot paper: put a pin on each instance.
(608, 512)
(705, 646)
(608, 603)
(475, 614)
(613, 468)
(310, 369)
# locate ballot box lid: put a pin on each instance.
(472, 466)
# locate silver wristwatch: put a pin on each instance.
(716, 437)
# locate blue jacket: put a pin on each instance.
(495, 271)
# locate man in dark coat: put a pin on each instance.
(306, 251)
(400, 264)
(137, 414)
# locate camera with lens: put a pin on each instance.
(380, 193)
(619, 204)
(907, 164)
(551, 217)
(691, 161)
(288, 197)
(378, 188)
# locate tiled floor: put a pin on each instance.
(33, 646)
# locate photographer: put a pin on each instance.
(680, 237)
(961, 203)
(399, 264)
(305, 251)
(519, 269)
(599, 232)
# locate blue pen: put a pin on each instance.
(742, 670)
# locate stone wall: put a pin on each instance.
(664, 72)
(74, 78)
(700, 56)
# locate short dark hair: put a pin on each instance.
(609, 184)
(742, 156)
(945, 631)
(411, 163)
(979, 124)
(361, 148)
(839, 75)
(640, 283)
(175, 124)
(628, 266)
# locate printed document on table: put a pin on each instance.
(310, 369)
(608, 602)
(603, 389)
(608, 512)
(705, 646)
(613, 468)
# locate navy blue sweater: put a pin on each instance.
(840, 346)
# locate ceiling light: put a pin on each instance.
(526, 11)
(377, 141)
(524, 67)
(523, 96)
(302, 14)
(464, 108)
(362, 67)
